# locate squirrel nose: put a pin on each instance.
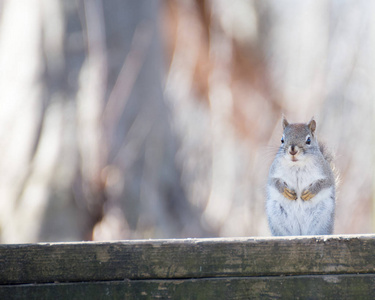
(293, 150)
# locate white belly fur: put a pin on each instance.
(298, 217)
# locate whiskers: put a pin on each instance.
(269, 152)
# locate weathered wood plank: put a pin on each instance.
(285, 287)
(194, 258)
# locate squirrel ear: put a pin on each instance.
(285, 122)
(312, 125)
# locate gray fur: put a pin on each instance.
(307, 176)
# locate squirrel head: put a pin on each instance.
(298, 139)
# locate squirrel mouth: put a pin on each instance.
(293, 158)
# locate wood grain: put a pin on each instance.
(284, 287)
(185, 259)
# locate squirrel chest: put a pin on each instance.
(299, 175)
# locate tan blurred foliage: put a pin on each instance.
(147, 119)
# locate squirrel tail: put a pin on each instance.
(327, 153)
(329, 157)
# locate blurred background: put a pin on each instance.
(131, 119)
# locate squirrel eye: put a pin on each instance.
(308, 141)
(282, 140)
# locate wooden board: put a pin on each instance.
(283, 287)
(186, 259)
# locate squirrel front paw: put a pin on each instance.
(306, 195)
(289, 194)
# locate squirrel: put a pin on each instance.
(301, 187)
